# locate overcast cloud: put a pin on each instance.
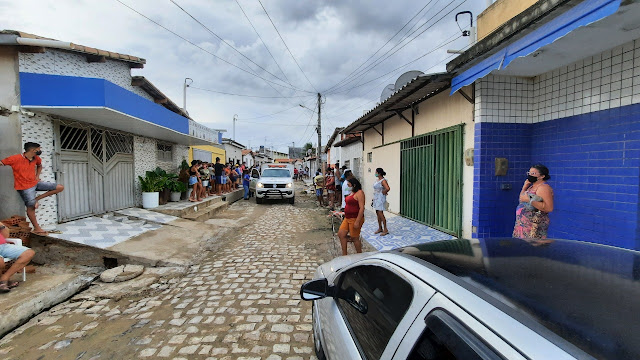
(329, 39)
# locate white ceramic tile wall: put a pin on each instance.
(55, 62)
(144, 159)
(39, 129)
(607, 80)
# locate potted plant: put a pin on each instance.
(151, 186)
(177, 188)
(164, 179)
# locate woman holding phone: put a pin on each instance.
(536, 202)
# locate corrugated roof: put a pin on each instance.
(415, 91)
(134, 61)
(347, 141)
(333, 138)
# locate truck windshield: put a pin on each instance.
(281, 173)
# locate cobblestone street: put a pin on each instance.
(241, 302)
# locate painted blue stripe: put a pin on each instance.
(69, 91)
(582, 14)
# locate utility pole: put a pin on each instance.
(319, 154)
(235, 118)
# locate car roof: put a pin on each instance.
(588, 294)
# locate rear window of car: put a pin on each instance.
(373, 300)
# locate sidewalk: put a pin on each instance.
(402, 232)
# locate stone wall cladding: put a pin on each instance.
(144, 159)
(180, 152)
(54, 62)
(39, 129)
(607, 80)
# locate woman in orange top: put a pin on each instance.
(353, 216)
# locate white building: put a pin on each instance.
(233, 150)
(99, 126)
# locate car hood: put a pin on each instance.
(275, 180)
(328, 270)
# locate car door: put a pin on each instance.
(255, 175)
(443, 330)
(376, 302)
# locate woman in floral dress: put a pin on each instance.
(536, 202)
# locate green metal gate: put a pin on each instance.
(431, 179)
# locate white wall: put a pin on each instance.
(603, 81)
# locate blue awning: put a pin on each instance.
(585, 13)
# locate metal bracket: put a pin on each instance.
(399, 113)
(415, 108)
(469, 99)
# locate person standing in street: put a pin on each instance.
(380, 191)
(353, 216)
(318, 180)
(536, 202)
(218, 169)
(346, 175)
(246, 180)
(331, 187)
(26, 180)
(338, 183)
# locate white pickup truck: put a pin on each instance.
(275, 182)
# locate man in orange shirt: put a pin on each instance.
(26, 180)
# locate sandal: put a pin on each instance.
(11, 284)
(41, 233)
(378, 231)
(4, 288)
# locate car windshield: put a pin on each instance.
(280, 173)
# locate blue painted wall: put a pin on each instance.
(594, 160)
(57, 90)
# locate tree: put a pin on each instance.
(308, 146)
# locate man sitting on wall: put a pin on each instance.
(20, 254)
(26, 180)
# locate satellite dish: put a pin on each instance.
(388, 91)
(405, 78)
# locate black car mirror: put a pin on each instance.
(315, 290)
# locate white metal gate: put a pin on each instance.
(202, 155)
(96, 168)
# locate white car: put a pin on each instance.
(479, 299)
(275, 182)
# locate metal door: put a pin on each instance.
(96, 168)
(431, 179)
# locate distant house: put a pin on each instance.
(248, 157)
(99, 126)
(233, 150)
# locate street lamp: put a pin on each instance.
(235, 118)
(184, 92)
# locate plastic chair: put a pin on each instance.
(19, 243)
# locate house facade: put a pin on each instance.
(99, 126)
(418, 135)
(233, 150)
(558, 84)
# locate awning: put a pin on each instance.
(583, 14)
(347, 141)
(417, 90)
(100, 102)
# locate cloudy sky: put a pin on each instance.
(333, 42)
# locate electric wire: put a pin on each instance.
(263, 43)
(380, 48)
(251, 96)
(286, 46)
(378, 62)
(203, 49)
(225, 42)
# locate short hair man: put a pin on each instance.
(26, 180)
(318, 180)
(20, 254)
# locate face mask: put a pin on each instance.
(377, 175)
(532, 179)
(348, 188)
(39, 152)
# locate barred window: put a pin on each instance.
(369, 157)
(164, 152)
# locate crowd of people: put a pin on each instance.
(207, 179)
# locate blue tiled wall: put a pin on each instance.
(594, 160)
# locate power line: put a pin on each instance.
(251, 96)
(224, 41)
(378, 62)
(263, 43)
(380, 48)
(400, 67)
(285, 45)
(203, 49)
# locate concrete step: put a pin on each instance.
(184, 208)
(233, 196)
(207, 213)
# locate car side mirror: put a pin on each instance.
(315, 290)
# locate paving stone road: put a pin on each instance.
(241, 302)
